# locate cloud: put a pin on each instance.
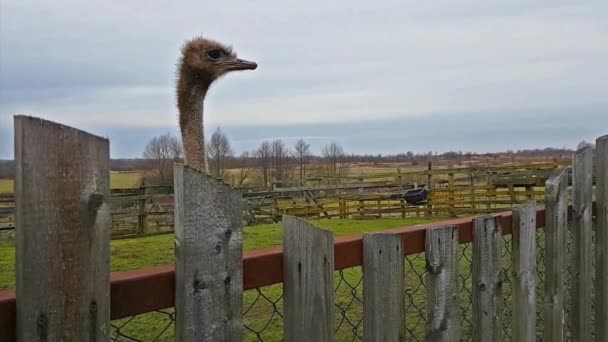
(112, 64)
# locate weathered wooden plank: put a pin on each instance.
(556, 203)
(582, 283)
(487, 279)
(383, 288)
(208, 258)
(63, 232)
(308, 281)
(601, 238)
(524, 273)
(442, 284)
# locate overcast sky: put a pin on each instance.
(377, 76)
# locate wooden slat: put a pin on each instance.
(383, 288)
(208, 258)
(524, 273)
(556, 202)
(63, 236)
(601, 247)
(487, 279)
(308, 280)
(582, 283)
(442, 284)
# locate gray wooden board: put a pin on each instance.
(383, 287)
(601, 248)
(63, 232)
(308, 282)
(524, 273)
(582, 283)
(442, 284)
(208, 258)
(487, 279)
(556, 203)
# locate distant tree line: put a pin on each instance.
(274, 162)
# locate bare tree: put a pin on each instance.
(245, 167)
(280, 157)
(302, 156)
(264, 155)
(162, 151)
(218, 150)
(332, 154)
(584, 144)
(175, 149)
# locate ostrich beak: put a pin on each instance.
(240, 64)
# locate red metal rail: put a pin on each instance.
(150, 289)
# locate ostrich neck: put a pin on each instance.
(191, 95)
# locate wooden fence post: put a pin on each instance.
(208, 258)
(524, 273)
(490, 188)
(399, 179)
(383, 288)
(62, 184)
(601, 247)
(451, 190)
(556, 199)
(472, 192)
(529, 192)
(429, 185)
(308, 282)
(442, 284)
(141, 206)
(487, 279)
(582, 184)
(512, 195)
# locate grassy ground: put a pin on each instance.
(156, 250)
(118, 180)
(262, 306)
(6, 185)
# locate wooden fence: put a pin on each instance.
(63, 281)
(149, 209)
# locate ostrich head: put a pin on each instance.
(202, 62)
(208, 60)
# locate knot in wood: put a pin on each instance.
(198, 286)
(94, 201)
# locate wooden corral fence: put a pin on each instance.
(452, 192)
(64, 289)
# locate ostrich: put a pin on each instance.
(202, 62)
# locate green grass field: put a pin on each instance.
(156, 250)
(136, 253)
(118, 180)
(6, 185)
(260, 308)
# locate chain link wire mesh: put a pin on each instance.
(263, 307)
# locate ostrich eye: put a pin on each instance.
(214, 54)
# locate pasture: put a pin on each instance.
(130, 254)
(6, 185)
(118, 180)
